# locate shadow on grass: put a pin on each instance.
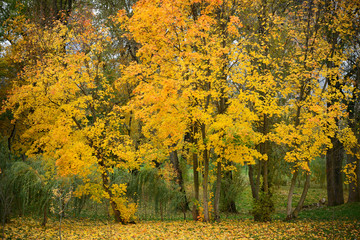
(348, 211)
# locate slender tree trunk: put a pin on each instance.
(217, 192)
(303, 197)
(290, 195)
(195, 210)
(205, 186)
(255, 193)
(60, 215)
(258, 177)
(10, 140)
(179, 179)
(45, 216)
(114, 207)
(161, 211)
(264, 150)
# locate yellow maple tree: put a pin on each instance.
(186, 83)
(70, 107)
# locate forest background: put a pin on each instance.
(194, 109)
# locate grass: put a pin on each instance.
(244, 206)
(348, 211)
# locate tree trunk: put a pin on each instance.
(334, 157)
(45, 215)
(303, 197)
(179, 179)
(195, 210)
(114, 207)
(217, 192)
(117, 215)
(353, 110)
(339, 191)
(264, 150)
(290, 195)
(205, 186)
(330, 180)
(254, 189)
(10, 140)
(161, 211)
(258, 177)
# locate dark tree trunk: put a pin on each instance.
(264, 150)
(195, 209)
(45, 215)
(217, 192)
(334, 156)
(179, 179)
(334, 180)
(206, 162)
(10, 140)
(254, 188)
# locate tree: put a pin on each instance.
(268, 45)
(70, 109)
(314, 128)
(341, 31)
(347, 13)
(185, 84)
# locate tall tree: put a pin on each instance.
(185, 83)
(268, 45)
(351, 45)
(71, 108)
(341, 27)
(312, 124)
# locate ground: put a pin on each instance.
(340, 222)
(27, 228)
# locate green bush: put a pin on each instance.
(263, 208)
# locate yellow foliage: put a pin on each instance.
(350, 173)
(127, 209)
(68, 104)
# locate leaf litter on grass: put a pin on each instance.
(27, 228)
